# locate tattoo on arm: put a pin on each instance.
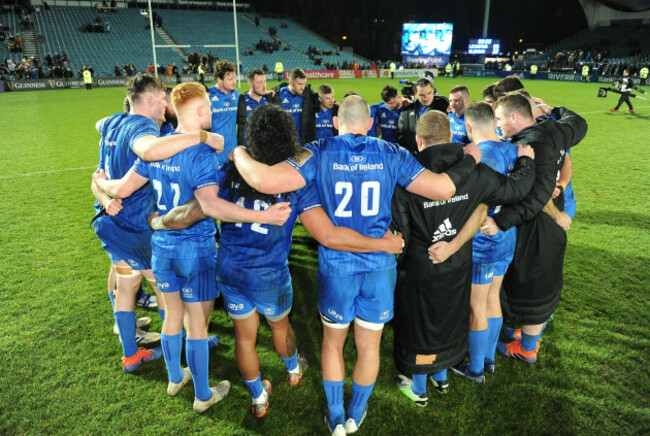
(182, 217)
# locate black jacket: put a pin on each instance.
(242, 116)
(308, 120)
(533, 282)
(409, 117)
(432, 301)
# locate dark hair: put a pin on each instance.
(250, 76)
(141, 83)
(508, 84)
(349, 93)
(490, 91)
(271, 138)
(424, 82)
(460, 88)
(297, 73)
(222, 67)
(388, 93)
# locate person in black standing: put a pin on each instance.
(533, 283)
(432, 300)
(626, 88)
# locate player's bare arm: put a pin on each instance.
(151, 148)
(340, 238)
(441, 251)
(218, 208)
(275, 179)
(179, 218)
(119, 188)
(113, 206)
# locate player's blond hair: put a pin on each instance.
(186, 92)
(433, 128)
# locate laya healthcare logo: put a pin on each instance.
(445, 229)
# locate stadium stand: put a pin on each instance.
(127, 42)
(10, 20)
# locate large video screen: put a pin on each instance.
(427, 42)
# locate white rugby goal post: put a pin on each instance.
(154, 46)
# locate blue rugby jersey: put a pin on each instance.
(251, 105)
(166, 128)
(324, 124)
(458, 128)
(174, 181)
(355, 176)
(292, 104)
(224, 119)
(255, 256)
(373, 116)
(500, 156)
(387, 120)
(116, 157)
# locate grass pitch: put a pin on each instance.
(59, 361)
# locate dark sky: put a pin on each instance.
(373, 26)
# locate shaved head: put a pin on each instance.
(354, 111)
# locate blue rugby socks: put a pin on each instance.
(197, 355)
(172, 345)
(360, 395)
(334, 395)
(126, 325)
(290, 362)
(494, 328)
(419, 384)
(255, 387)
(477, 343)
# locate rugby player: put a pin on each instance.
(458, 102)
(224, 97)
(123, 231)
(491, 255)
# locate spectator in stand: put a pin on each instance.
(117, 71)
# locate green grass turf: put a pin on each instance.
(59, 361)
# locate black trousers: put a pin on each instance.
(624, 98)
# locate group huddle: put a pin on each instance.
(364, 200)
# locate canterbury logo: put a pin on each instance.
(444, 229)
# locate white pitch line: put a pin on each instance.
(10, 176)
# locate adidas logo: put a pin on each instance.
(444, 229)
(383, 115)
(215, 98)
(285, 101)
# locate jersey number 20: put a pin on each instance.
(369, 198)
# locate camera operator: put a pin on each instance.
(426, 98)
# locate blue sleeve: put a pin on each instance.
(204, 168)
(142, 168)
(142, 128)
(490, 158)
(100, 165)
(408, 168)
(307, 198)
(306, 162)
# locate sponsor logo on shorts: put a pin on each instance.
(188, 292)
(335, 315)
(384, 315)
(269, 311)
(233, 306)
(133, 263)
(163, 286)
(489, 275)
